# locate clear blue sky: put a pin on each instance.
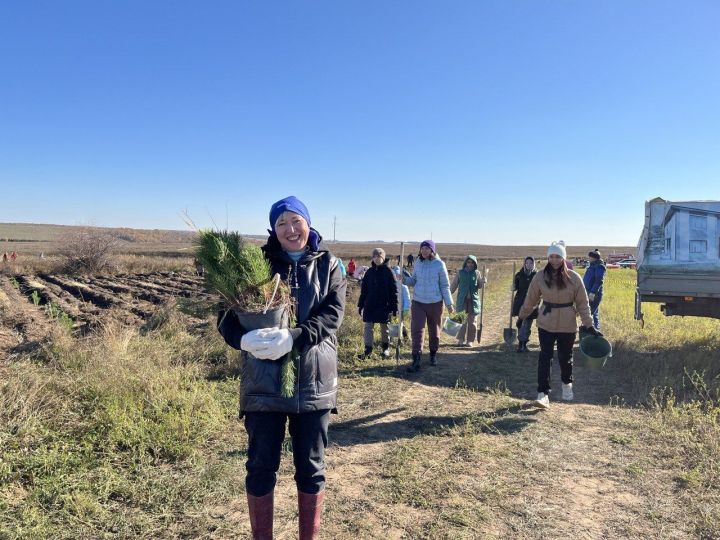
(502, 122)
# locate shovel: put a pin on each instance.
(400, 307)
(510, 333)
(482, 307)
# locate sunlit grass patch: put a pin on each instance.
(107, 433)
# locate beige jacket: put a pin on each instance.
(559, 319)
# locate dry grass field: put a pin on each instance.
(118, 419)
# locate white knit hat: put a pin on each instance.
(557, 248)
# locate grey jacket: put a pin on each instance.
(317, 284)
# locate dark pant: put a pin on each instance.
(565, 342)
(266, 433)
(595, 310)
(432, 313)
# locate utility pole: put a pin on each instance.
(334, 225)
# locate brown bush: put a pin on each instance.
(88, 251)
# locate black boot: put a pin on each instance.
(415, 366)
(386, 350)
(366, 354)
(433, 359)
(521, 346)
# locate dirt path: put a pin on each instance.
(458, 451)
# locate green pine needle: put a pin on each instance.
(287, 375)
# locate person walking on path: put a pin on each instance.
(593, 280)
(351, 267)
(521, 284)
(468, 282)
(564, 298)
(410, 260)
(378, 301)
(431, 287)
(318, 289)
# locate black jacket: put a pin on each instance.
(522, 284)
(378, 294)
(319, 288)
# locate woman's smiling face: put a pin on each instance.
(556, 261)
(292, 231)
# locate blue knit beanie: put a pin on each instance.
(288, 204)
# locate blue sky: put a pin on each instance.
(505, 122)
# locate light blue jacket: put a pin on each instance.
(430, 281)
(405, 291)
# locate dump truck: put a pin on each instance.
(678, 258)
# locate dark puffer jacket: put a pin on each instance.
(319, 288)
(522, 283)
(378, 294)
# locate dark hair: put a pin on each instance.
(559, 276)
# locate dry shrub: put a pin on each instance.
(88, 251)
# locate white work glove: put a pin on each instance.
(267, 343)
(591, 296)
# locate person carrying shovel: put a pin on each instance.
(564, 298)
(468, 282)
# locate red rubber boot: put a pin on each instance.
(261, 516)
(309, 511)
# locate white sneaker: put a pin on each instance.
(543, 400)
(567, 392)
(386, 353)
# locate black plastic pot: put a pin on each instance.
(278, 317)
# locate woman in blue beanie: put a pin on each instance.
(318, 291)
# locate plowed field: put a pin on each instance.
(32, 305)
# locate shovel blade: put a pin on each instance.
(509, 335)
